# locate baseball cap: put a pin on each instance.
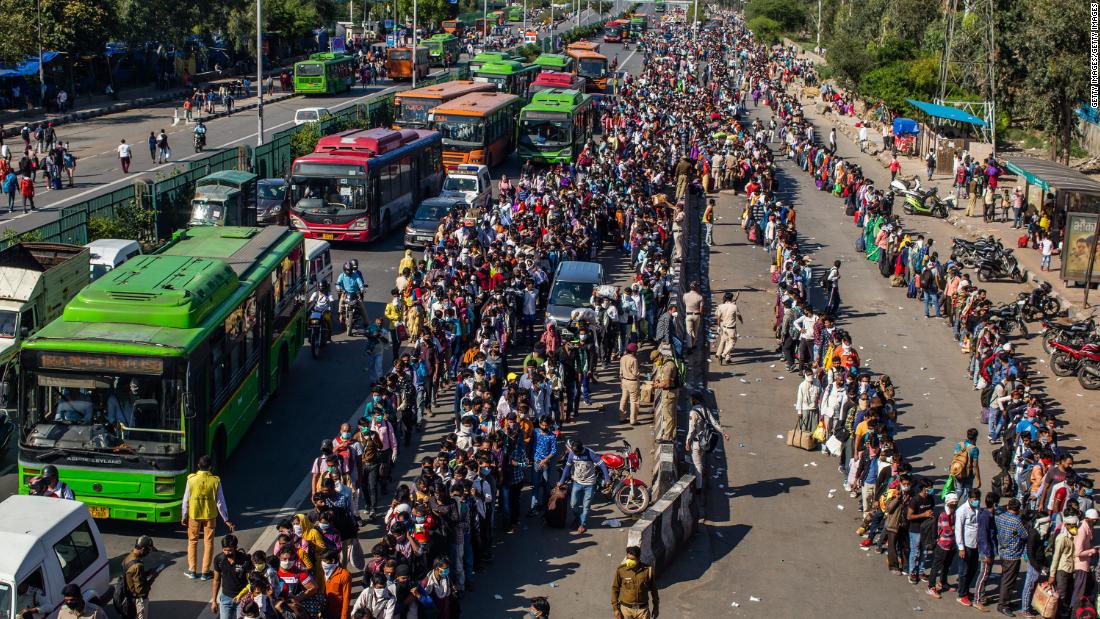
(951, 498)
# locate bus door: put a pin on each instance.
(374, 198)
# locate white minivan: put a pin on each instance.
(107, 254)
(48, 543)
(310, 115)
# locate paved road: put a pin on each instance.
(780, 527)
(95, 144)
(266, 476)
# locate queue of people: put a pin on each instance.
(1031, 524)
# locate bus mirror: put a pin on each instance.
(189, 405)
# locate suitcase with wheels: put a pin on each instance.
(556, 506)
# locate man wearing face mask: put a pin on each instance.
(966, 539)
(376, 600)
(337, 586)
(231, 571)
(666, 378)
(633, 587)
(583, 467)
(73, 605)
(540, 609)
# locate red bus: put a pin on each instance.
(360, 184)
(553, 79)
(613, 31)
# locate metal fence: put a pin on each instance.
(170, 197)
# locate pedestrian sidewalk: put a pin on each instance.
(88, 107)
(1072, 297)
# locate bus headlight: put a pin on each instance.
(358, 224)
(296, 222)
(165, 485)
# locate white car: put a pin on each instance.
(468, 182)
(310, 115)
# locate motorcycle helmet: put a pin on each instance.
(354, 264)
(49, 472)
(1045, 287)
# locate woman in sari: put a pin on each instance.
(870, 236)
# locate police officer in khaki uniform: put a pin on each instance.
(632, 588)
(727, 316)
(630, 382)
(693, 307)
(666, 377)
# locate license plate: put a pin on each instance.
(98, 511)
(328, 237)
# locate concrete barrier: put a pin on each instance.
(667, 526)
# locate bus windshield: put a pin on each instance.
(328, 196)
(104, 411)
(592, 67)
(400, 55)
(540, 132)
(7, 324)
(461, 131)
(501, 81)
(311, 69)
(415, 110)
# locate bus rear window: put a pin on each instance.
(310, 70)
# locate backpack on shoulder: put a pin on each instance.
(961, 466)
(121, 598)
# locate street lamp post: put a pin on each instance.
(41, 67)
(484, 22)
(414, 46)
(525, 19)
(259, 72)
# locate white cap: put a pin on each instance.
(951, 498)
(1092, 514)
(1007, 347)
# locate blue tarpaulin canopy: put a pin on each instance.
(906, 126)
(27, 67)
(946, 112)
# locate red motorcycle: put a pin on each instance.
(630, 494)
(1083, 359)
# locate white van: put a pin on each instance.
(48, 543)
(318, 262)
(107, 254)
(310, 115)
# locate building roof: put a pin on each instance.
(1051, 175)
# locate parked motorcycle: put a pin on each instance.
(1089, 374)
(1076, 332)
(1041, 304)
(1011, 317)
(928, 203)
(1066, 360)
(968, 252)
(1000, 265)
(318, 331)
(630, 494)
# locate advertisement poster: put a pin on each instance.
(1080, 239)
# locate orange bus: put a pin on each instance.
(411, 107)
(399, 64)
(592, 67)
(477, 128)
(454, 26)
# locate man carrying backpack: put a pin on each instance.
(136, 582)
(702, 437)
(964, 468)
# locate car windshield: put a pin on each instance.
(460, 183)
(541, 132)
(306, 115)
(271, 192)
(432, 212)
(571, 294)
(7, 324)
(82, 410)
(461, 131)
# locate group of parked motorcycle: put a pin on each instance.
(990, 258)
(1074, 349)
(920, 201)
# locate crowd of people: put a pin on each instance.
(1035, 515)
(42, 154)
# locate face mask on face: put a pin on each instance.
(631, 563)
(286, 565)
(345, 435)
(445, 572)
(297, 529)
(905, 488)
(259, 567)
(329, 568)
(973, 502)
(420, 519)
(486, 470)
(324, 526)
(379, 418)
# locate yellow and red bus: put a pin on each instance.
(583, 46)
(477, 128)
(411, 107)
(592, 67)
(399, 63)
(613, 31)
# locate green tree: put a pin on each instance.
(1050, 40)
(17, 30)
(790, 15)
(766, 29)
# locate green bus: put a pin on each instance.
(659, 6)
(515, 13)
(324, 73)
(556, 125)
(439, 46)
(487, 57)
(558, 63)
(509, 76)
(638, 26)
(167, 357)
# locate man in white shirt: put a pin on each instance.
(805, 402)
(530, 308)
(863, 138)
(966, 538)
(805, 325)
(124, 156)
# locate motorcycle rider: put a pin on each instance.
(48, 484)
(351, 288)
(200, 135)
(321, 300)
